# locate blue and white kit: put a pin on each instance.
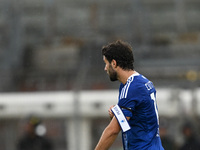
(137, 100)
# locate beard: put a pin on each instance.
(112, 74)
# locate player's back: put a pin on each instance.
(144, 116)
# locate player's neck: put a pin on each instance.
(123, 75)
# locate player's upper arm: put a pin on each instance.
(114, 126)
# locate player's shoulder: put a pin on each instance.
(141, 78)
(141, 83)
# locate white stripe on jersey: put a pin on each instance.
(124, 91)
(128, 88)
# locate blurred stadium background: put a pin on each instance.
(51, 65)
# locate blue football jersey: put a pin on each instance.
(137, 99)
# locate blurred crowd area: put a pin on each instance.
(55, 45)
(175, 134)
(47, 45)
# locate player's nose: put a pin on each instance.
(105, 68)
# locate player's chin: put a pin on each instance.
(113, 79)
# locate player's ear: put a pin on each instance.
(114, 63)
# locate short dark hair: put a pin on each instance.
(121, 52)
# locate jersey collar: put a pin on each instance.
(132, 76)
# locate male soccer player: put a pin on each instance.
(136, 113)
